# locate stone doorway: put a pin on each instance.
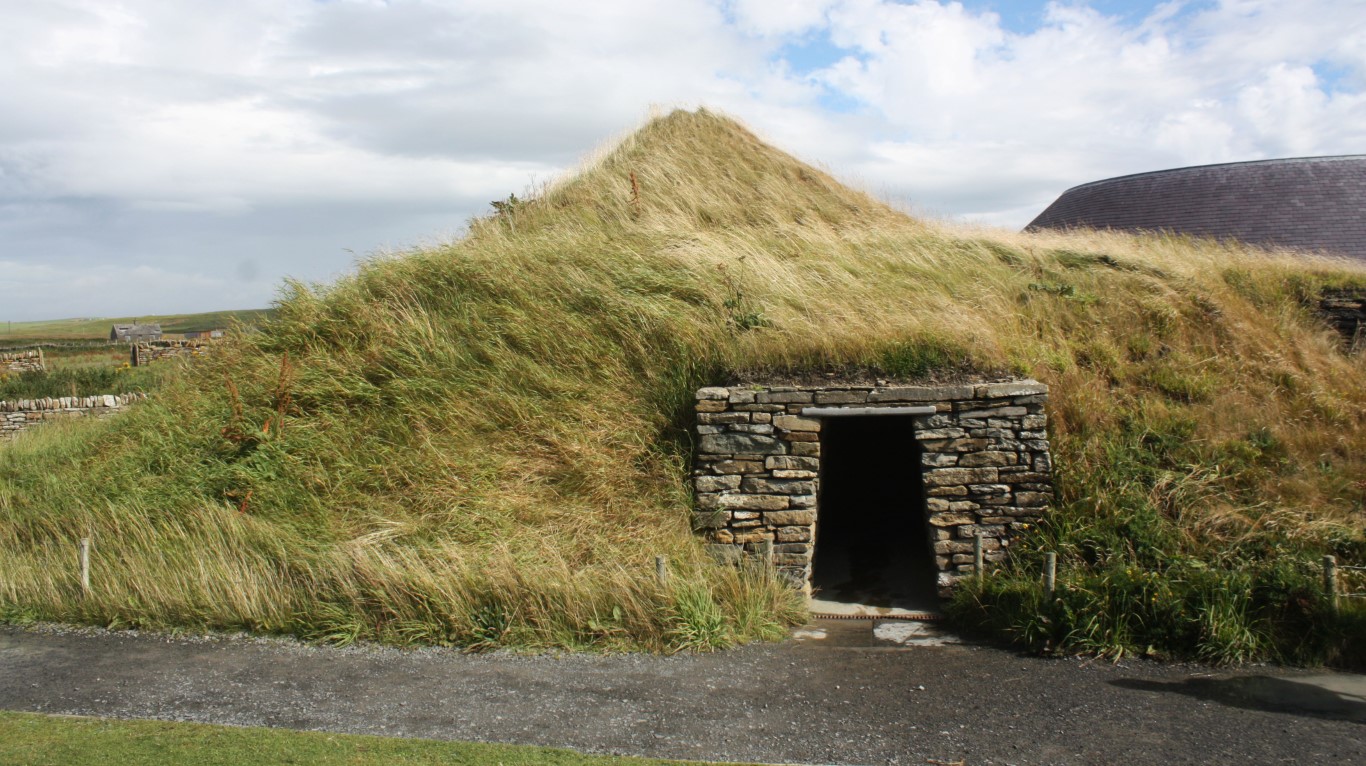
(874, 545)
(984, 470)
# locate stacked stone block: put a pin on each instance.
(22, 361)
(986, 466)
(1345, 311)
(22, 414)
(152, 351)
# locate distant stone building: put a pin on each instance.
(135, 333)
(1310, 203)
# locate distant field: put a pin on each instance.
(98, 327)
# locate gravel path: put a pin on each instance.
(845, 698)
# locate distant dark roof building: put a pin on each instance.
(135, 333)
(1311, 203)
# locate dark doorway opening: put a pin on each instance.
(873, 544)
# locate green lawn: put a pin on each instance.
(96, 354)
(28, 739)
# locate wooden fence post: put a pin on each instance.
(977, 559)
(1330, 580)
(662, 570)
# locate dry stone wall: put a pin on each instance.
(22, 414)
(1345, 311)
(22, 361)
(986, 466)
(152, 351)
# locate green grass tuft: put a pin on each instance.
(27, 739)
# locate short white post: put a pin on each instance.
(1050, 575)
(85, 566)
(662, 570)
(977, 559)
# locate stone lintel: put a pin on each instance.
(835, 412)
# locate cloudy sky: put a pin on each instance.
(162, 156)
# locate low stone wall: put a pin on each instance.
(156, 350)
(20, 415)
(1345, 312)
(22, 361)
(986, 466)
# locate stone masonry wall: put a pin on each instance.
(986, 466)
(152, 351)
(1345, 312)
(20, 415)
(22, 361)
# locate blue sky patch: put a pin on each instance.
(812, 53)
(1026, 16)
(1333, 77)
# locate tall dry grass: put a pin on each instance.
(486, 442)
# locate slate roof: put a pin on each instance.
(137, 332)
(1309, 203)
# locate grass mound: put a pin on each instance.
(485, 443)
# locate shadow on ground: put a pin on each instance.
(1335, 697)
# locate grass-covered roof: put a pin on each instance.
(486, 441)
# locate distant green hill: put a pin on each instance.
(98, 327)
(486, 443)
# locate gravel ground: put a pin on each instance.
(845, 698)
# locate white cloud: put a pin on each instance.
(1199, 135)
(168, 136)
(781, 17)
(1283, 107)
(966, 105)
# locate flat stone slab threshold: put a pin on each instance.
(846, 610)
(873, 634)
